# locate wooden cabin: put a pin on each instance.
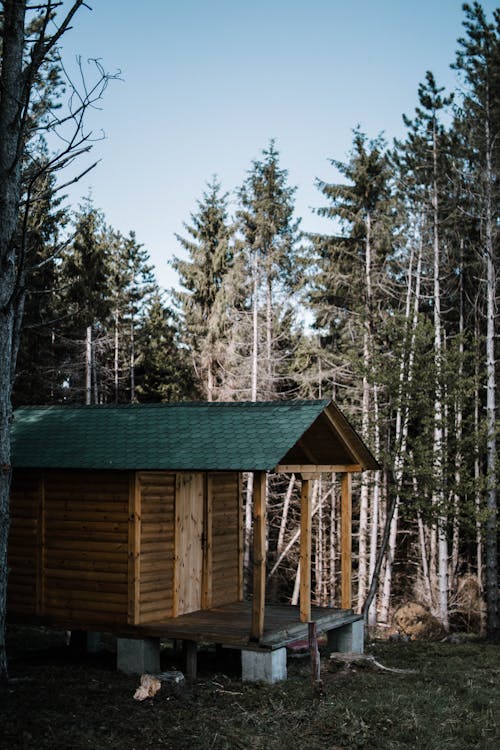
(128, 519)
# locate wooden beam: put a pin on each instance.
(259, 554)
(40, 567)
(305, 551)
(134, 548)
(315, 468)
(346, 541)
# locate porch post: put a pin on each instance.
(346, 540)
(259, 554)
(305, 551)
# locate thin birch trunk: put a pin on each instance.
(116, 359)
(269, 337)
(402, 421)
(491, 535)
(88, 365)
(296, 587)
(372, 611)
(477, 478)
(365, 420)
(458, 431)
(437, 450)
(423, 556)
(333, 544)
(255, 355)
(318, 562)
(132, 362)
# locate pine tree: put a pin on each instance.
(38, 360)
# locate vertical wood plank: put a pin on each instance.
(134, 548)
(346, 541)
(206, 598)
(241, 537)
(177, 541)
(259, 554)
(305, 551)
(189, 536)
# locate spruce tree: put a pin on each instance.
(270, 235)
(348, 297)
(163, 371)
(85, 276)
(478, 63)
(204, 299)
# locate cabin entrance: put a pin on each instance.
(189, 542)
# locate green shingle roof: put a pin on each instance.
(184, 436)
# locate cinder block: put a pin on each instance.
(138, 655)
(348, 638)
(263, 666)
(93, 642)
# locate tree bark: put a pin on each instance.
(17, 82)
(11, 292)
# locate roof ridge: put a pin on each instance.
(174, 404)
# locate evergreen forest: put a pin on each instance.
(393, 314)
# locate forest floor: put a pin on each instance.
(449, 700)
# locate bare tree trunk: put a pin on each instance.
(402, 421)
(254, 381)
(438, 500)
(372, 612)
(365, 419)
(333, 543)
(269, 338)
(88, 365)
(459, 436)
(11, 291)
(116, 359)
(423, 556)
(17, 82)
(132, 362)
(318, 561)
(491, 535)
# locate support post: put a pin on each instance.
(305, 551)
(190, 659)
(134, 549)
(259, 554)
(346, 541)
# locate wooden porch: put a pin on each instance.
(229, 625)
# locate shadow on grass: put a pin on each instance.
(59, 700)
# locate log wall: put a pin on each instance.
(156, 566)
(226, 538)
(86, 546)
(105, 548)
(23, 591)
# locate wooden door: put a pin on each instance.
(189, 538)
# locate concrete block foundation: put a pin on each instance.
(138, 655)
(263, 666)
(348, 639)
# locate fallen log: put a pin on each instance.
(364, 661)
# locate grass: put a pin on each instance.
(56, 701)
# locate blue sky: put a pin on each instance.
(206, 84)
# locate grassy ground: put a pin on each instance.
(54, 701)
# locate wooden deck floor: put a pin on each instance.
(230, 625)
